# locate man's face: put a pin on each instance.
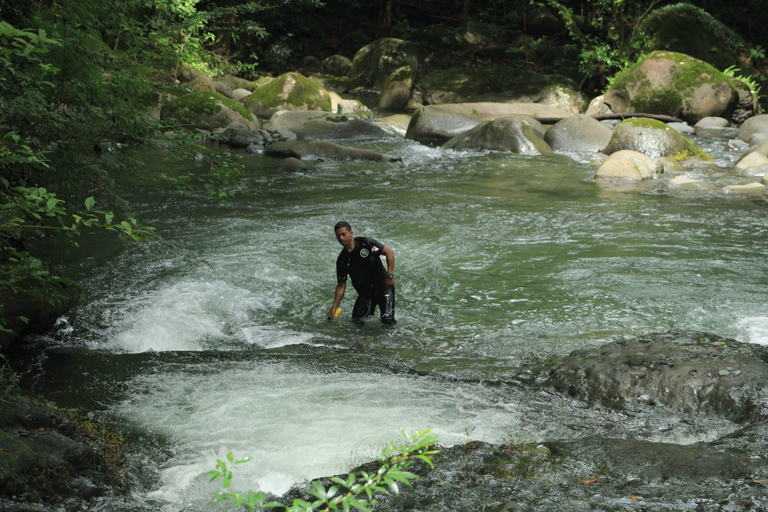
(344, 236)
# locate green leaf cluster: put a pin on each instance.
(356, 491)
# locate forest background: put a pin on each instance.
(79, 77)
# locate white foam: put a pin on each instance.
(296, 425)
(754, 329)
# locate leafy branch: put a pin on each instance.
(356, 491)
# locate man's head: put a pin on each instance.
(344, 234)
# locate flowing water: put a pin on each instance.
(503, 262)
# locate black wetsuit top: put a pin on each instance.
(363, 264)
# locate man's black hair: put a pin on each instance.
(342, 224)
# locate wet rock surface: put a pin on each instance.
(690, 371)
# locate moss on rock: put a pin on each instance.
(208, 110)
(652, 138)
(670, 83)
(291, 91)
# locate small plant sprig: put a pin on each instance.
(356, 491)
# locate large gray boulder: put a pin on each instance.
(375, 62)
(671, 84)
(652, 138)
(325, 149)
(437, 124)
(578, 133)
(502, 84)
(690, 371)
(509, 133)
(752, 127)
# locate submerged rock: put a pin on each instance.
(678, 369)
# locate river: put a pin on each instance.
(503, 262)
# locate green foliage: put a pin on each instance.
(750, 83)
(9, 379)
(355, 491)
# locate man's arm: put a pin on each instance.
(340, 289)
(389, 255)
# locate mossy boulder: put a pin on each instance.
(652, 138)
(513, 133)
(290, 91)
(208, 110)
(670, 28)
(502, 84)
(671, 84)
(375, 62)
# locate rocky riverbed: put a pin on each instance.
(673, 380)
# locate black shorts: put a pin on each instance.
(366, 305)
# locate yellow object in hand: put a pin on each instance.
(337, 313)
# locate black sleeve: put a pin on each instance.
(341, 272)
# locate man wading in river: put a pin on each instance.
(360, 259)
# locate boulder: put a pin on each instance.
(749, 189)
(578, 133)
(752, 127)
(761, 148)
(397, 124)
(752, 164)
(187, 73)
(598, 106)
(239, 135)
(437, 124)
(240, 94)
(202, 83)
(397, 89)
(712, 41)
(681, 182)
(508, 133)
(290, 91)
(667, 83)
(340, 105)
(208, 110)
(336, 65)
(502, 84)
(627, 164)
(309, 124)
(292, 164)
(375, 62)
(652, 138)
(227, 85)
(668, 165)
(689, 371)
(325, 149)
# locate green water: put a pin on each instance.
(502, 262)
